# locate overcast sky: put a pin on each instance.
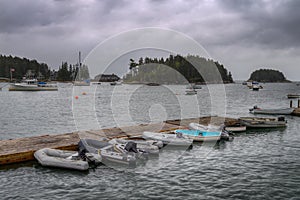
(244, 35)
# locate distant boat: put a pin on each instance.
(190, 92)
(153, 84)
(293, 96)
(256, 122)
(116, 83)
(82, 83)
(278, 111)
(32, 85)
(256, 86)
(193, 86)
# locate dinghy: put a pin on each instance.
(168, 139)
(257, 122)
(191, 92)
(141, 145)
(278, 111)
(236, 128)
(202, 136)
(116, 153)
(200, 127)
(59, 158)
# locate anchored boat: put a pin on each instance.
(259, 122)
(293, 96)
(191, 92)
(278, 111)
(32, 85)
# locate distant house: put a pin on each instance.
(106, 78)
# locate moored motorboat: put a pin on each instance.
(32, 85)
(293, 96)
(278, 111)
(193, 86)
(259, 122)
(168, 139)
(191, 92)
(59, 158)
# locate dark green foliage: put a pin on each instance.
(21, 66)
(66, 74)
(178, 69)
(268, 75)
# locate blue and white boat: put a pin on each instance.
(202, 136)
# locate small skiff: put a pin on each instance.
(236, 128)
(200, 136)
(256, 122)
(168, 139)
(279, 111)
(191, 92)
(200, 127)
(59, 158)
(293, 96)
(141, 145)
(109, 152)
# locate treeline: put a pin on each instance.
(65, 72)
(178, 69)
(268, 75)
(23, 67)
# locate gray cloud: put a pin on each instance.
(241, 34)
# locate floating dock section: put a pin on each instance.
(22, 149)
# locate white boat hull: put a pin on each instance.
(262, 122)
(16, 87)
(168, 139)
(283, 111)
(236, 129)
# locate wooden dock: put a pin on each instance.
(22, 149)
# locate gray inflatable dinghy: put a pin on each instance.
(59, 158)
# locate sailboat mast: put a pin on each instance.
(79, 58)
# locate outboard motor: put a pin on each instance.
(131, 147)
(281, 119)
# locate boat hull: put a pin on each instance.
(236, 128)
(283, 111)
(31, 88)
(59, 158)
(262, 122)
(200, 136)
(168, 139)
(293, 96)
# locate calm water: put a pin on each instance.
(255, 165)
